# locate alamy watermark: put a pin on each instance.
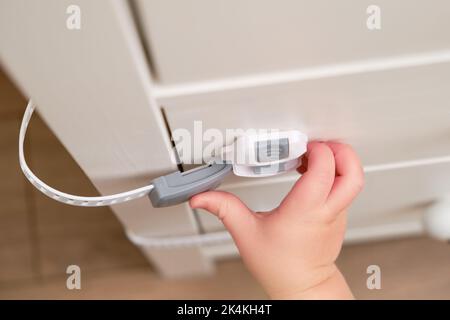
(373, 21)
(374, 280)
(73, 21)
(73, 281)
(202, 146)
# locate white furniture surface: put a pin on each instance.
(137, 70)
(202, 40)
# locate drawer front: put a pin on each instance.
(388, 116)
(201, 40)
(388, 197)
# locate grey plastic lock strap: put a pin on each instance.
(178, 187)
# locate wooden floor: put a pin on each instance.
(39, 238)
(411, 269)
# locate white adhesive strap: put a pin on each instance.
(65, 197)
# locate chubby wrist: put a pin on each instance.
(330, 285)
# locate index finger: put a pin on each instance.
(349, 179)
(314, 185)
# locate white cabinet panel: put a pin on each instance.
(93, 88)
(203, 39)
(388, 116)
(388, 197)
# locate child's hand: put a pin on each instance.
(292, 249)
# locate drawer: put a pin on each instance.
(388, 116)
(201, 40)
(388, 196)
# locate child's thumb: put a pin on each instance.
(235, 215)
